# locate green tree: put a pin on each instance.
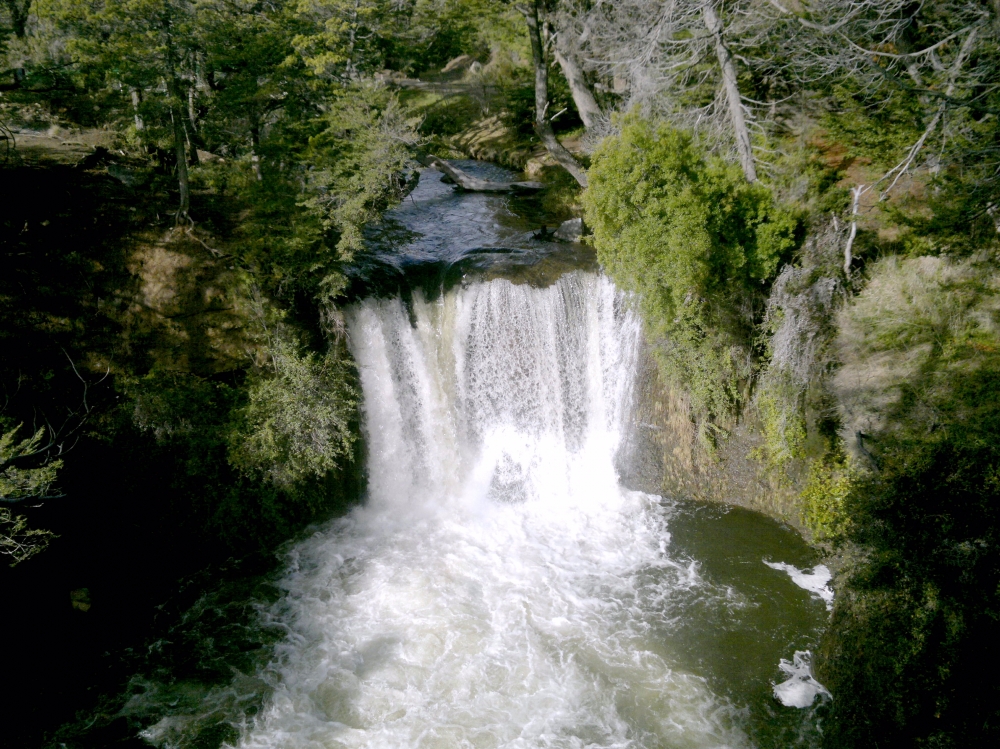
(143, 46)
(698, 244)
(296, 424)
(27, 473)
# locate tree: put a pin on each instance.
(566, 21)
(245, 77)
(27, 472)
(342, 41)
(296, 422)
(142, 46)
(680, 59)
(19, 11)
(698, 244)
(543, 122)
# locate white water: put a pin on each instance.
(817, 582)
(499, 588)
(800, 689)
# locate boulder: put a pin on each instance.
(570, 231)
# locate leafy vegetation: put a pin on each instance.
(699, 245)
(296, 423)
(17, 540)
(801, 196)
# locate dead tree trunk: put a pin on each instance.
(714, 25)
(543, 126)
(474, 184)
(180, 137)
(583, 97)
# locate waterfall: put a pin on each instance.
(498, 587)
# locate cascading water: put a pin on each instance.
(499, 588)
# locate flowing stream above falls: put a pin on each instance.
(499, 586)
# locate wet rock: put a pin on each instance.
(570, 231)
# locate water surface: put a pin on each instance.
(499, 586)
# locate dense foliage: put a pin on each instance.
(802, 196)
(18, 540)
(296, 423)
(699, 245)
(869, 373)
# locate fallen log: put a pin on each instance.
(474, 184)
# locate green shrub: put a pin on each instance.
(698, 245)
(917, 613)
(296, 423)
(782, 426)
(17, 540)
(922, 332)
(828, 485)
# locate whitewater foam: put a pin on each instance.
(815, 581)
(800, 689)
(498, 588)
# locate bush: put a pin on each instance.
(17, 540)
(296, 423)
(922, 332)
(783, 427)
(698, 245)
(916, 619)
(916, 616)
(823, 500)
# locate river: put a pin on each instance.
(501, 585)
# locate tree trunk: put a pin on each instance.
(140, 124)
(714, 25)
(180, 137)
(19, 10)
(543, 127)
(254, 153)
(184, 205)
(583, 97)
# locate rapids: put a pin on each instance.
(499, 586)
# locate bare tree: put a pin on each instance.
(586, 104)
(673, 53)
(568, 25)
(735, 103)
(895, 45)
(543, 123)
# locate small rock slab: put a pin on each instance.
(570, 231)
